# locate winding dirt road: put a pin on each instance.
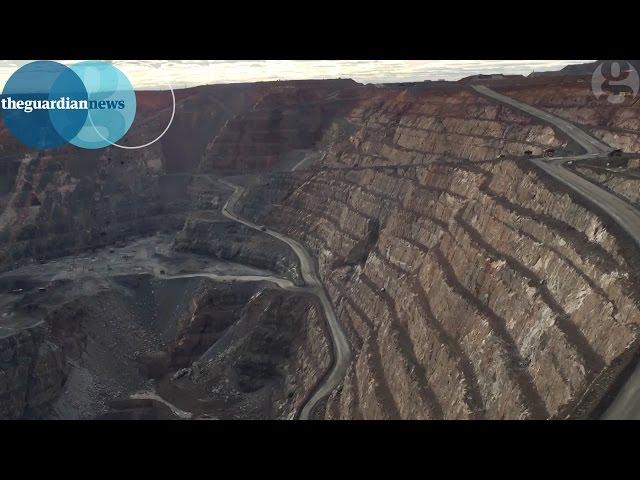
(626, 404)
(590, 144)
(311, 278)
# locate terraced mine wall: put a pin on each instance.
(287, 116)
(62, 201)
(52, 212)
(617, 124)
(620, 176)
(470, 286)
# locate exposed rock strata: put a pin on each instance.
(266, 364)
(618, 175)
(286, 116)
(617, 125)
(477, 299)
(64, 200)
(231, 241)
(417, 127)
(32, 372)
(467, 283)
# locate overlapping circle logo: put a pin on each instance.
(90, 104)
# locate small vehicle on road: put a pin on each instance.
(616, 153)
(263, 228)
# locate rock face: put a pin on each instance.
(212, 310)
(618, 175)
(76, 358)
(265, 364)
(32, 372)
(475, 298)
(102, 341)
(617, 125)
(470, 285)
(61, 201)
(228, 240)
(286, 116)
(414, 127)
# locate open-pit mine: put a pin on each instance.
(324, 249)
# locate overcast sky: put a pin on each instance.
(155, 74)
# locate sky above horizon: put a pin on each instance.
(157, 74)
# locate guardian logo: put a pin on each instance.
(619, 84)
(90, 104)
